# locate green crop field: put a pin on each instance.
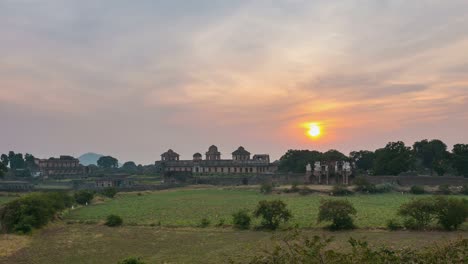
(186, 207)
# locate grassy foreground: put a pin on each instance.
(86, 244)
(186, 207)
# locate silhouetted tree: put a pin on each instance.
(363, 159)
(393, 159)
(296, 160)
(130, 167)
(433, 154)
(107, 162)
(460, 159)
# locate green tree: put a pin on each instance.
(451, 212)
(241, 219)
(4, 159)
(460, 159)
(338, 212)
(333, 155)
(393, 159)
(419, 213)
(433, 155)
(363, 159)
(3, 169)
(84, 197)
(16, 160)
(296, 160)
(130, 167)
(272, 213)
(107, 162)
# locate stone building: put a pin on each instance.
(331, 172)
(63, 167)
(241, 163)
(115, 182)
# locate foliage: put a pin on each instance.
(3, 169)
(433, 154)
(130, 167)
(419, 213)
(109, 192)
(393, 225)
(460, 159)
(221, 222)
(84, 197)
(363, 159)
(333, 155)
(204, 222)
(272, 213)
(32, 211)
(363, 185)
(444, 189)
(464, 189)
(131, 260)
(296, 249)
(339, 212)
(107, 162)
(340, 190)
(266, 188)
(296, 160)
(113, 220)
(451, 212)
(305, 191)
(241, 219)
(416, 189)
(384, 187)
(393, 159)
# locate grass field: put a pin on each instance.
(186, 207)
(97, 244)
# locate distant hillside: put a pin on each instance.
(89, 158)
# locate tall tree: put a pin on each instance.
(296, 160)
(363, 159)
(333, 155)
(16, 160)
(130, 167)
(393, 159)
(3, 169)
(433, 154)
(460, 159)
(4, 159)
(107, 162)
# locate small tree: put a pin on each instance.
(363, 185)
(451, 212)
(241, 219)
(339, 212)
(266, 188)
(113, 220)
(419, 212)
(84, 197)
(273, 213)
(416, 189)
(132, 260)
(109, 192)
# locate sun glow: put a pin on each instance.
(313, 130)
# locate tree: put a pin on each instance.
(273, 213)
(4, 159)
(451, 212)
(433, 154)
(130, 167)
(363, 159)
(419, 213)
(241, 219)
(113, 220)
(460, 159)
(16, 160)
(3, 169)
(339, 212)
(333, 155)
(393, 159)
(296, 160)
(84, 197)
(107, 162)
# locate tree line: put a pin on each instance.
(425, 156)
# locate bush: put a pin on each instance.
(384, 187)
(419, 213)
(204, 222)
(266, 188)
(444, 189)
(393, 225)
(113, 220)
(31, 211)
(464, 189)
(273, 213)
(339, 212)
(305, 191)
(221, 222)
(109, 192)
(84, 197)
(451, 212)
(363, 185)
(241, 219)
(131, 260)
(340, 190)
(416, 189)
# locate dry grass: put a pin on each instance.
(10, 244)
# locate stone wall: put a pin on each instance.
(418, 180)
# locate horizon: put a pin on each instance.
(134, 79)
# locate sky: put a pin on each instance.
(132, 79)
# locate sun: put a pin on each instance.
(314, 130)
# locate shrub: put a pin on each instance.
(266, 188)
(32, 211)
(131, 260)
(363, 185)
(204, 222)
(393, 225)
(419, 213)
(221, 222)
(464, 189)
(339, 212)
(84, 197)
(305, 191)
(416, 189)
(384, 187)
(444, 189)
(451, 212)
(113, 220)
(109, 192)
(272, 213)
(241, 219)
(340, 190)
